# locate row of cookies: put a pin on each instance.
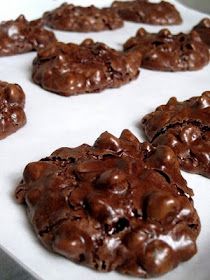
(90, 19)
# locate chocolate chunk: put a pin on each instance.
(69, 69)
(166, 52)
(82, 19)
(12, 116)
(21, 36)
(117, 205)
(162, 13)
(185, 127)
(203, 28)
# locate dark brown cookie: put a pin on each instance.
(166, 52)
(162, 13)
(83, 19)
(21, 36)
(185, 127)
(12, 116)
(117, 205)
(69, 69)
(203, 28)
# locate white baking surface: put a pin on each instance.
(55, 121)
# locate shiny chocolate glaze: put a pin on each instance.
(82, 19)
(21, 36)
(117, 205)
(167, 52)
(185, 127)
(12, 116)
(162, 13)
(69, 69)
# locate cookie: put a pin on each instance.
(82, 19)
(21, 36)
(162, 13)
(185, 127)
(12, 116)
(69, 69)
(166, 52)
(203, 28)
(117, 205)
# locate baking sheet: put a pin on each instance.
(55, 121)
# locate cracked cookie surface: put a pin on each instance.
(82, 19)
(97, 205)
(69, 69)
(21, 36)
(162, 13)
(164, 51)
(12, 116)
(185, 127)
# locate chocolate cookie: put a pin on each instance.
(12, 116)
(185, 127)
(166, 52)
(117, 205)
(82, 19)
(69, 69)
(162, 13)
(20, 36)
(203, 28)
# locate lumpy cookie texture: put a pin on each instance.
(164, 51)
(185, 127)
(203, 28)
(117, 205)
(82, 19)
(21, 36)
(69, 69)
(162, 13)
(12, 116)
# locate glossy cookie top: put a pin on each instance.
(12, 116)
(82, 19)
(162, 13)
(185, 127)
(117, 205)
(20, 36)
(167, 52)
(203, 28)
(69, 69)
